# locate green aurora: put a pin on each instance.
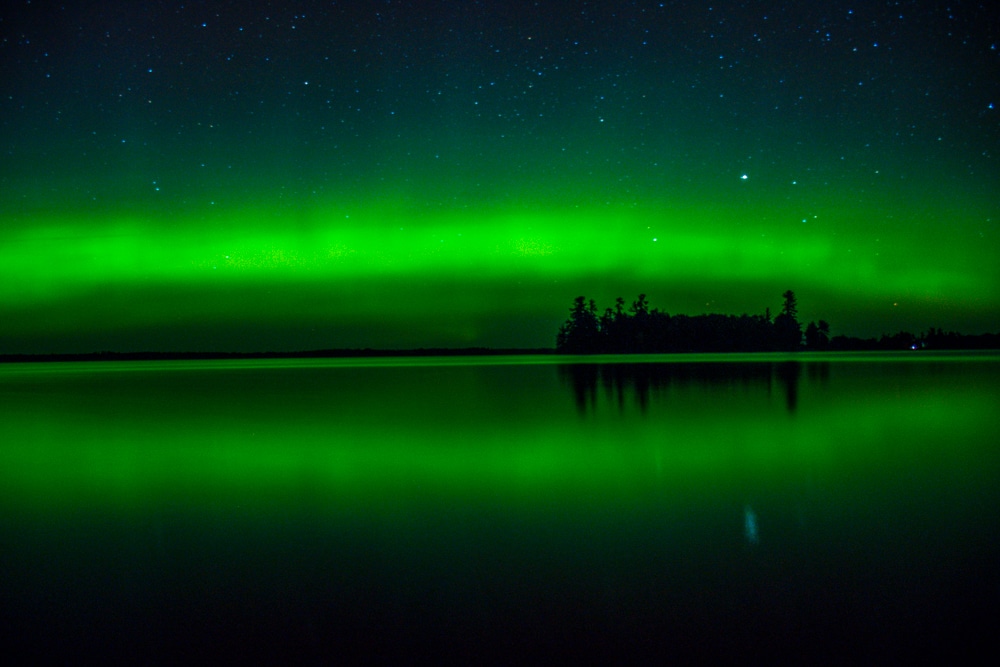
(363, 179)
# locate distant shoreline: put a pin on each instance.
(307, 354)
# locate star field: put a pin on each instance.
(255, 175)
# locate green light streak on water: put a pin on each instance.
(352, 502)
(338, 433)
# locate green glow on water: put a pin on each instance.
(346, 502)
(333, 432)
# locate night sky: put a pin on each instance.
(244, 175)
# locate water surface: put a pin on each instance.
(749, 507)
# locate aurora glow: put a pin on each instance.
(211, 177)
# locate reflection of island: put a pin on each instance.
(640, 379)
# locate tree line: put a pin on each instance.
(639, 329)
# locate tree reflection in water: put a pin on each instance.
(618, 381)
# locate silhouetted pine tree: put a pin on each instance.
(787, 330)
(817, 335)
(580, 332)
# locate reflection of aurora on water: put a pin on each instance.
(235, 508)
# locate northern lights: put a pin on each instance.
(251, 177)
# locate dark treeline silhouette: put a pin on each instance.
(639, 329)
(348, 353)
(932, 339)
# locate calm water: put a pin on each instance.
(750, 508)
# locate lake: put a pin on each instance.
(750, 508)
